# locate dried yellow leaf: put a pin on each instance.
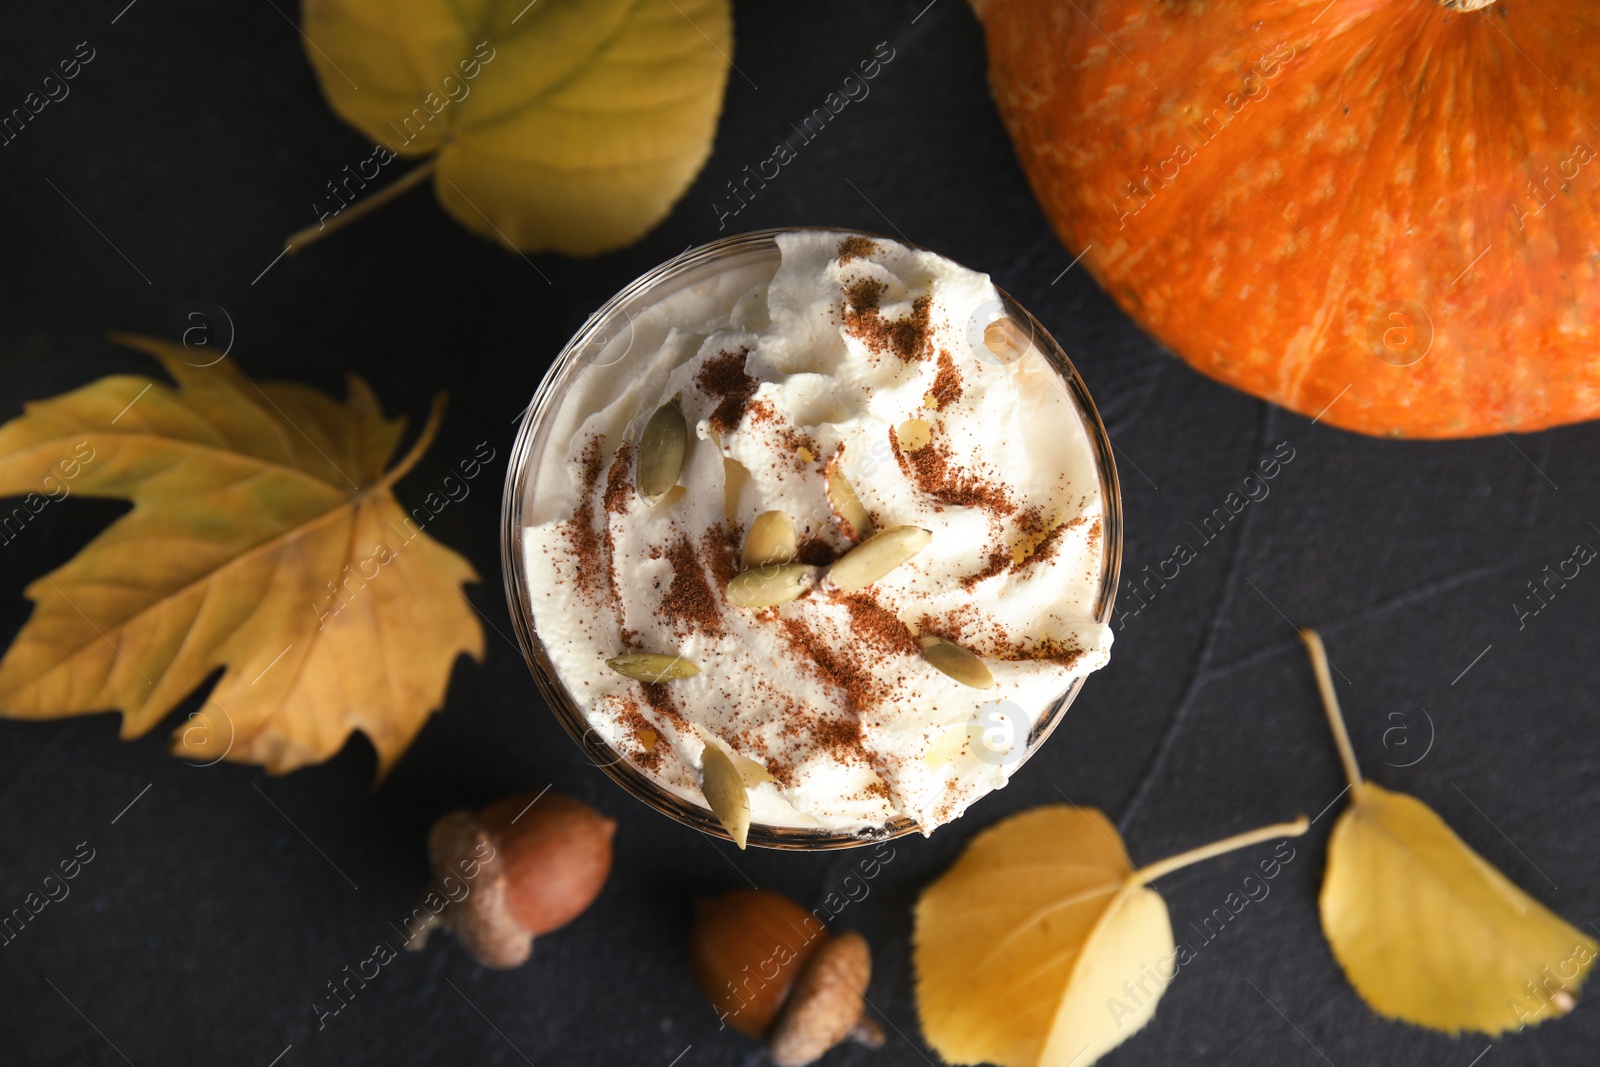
(1043, 946)
(1001, 938)
(571, 125)
(1427, 931)
(265, 539)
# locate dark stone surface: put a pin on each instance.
(218, 905)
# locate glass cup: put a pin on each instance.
(996, 333)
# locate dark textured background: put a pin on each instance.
(207, 923)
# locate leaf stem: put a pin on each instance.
(312, 234)
(1330, 704)
(424, 441)
(1250, 837)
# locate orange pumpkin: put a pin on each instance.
(1382, 212)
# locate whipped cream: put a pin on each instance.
(842, 356)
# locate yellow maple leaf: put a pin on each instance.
(1043, 946)
(264, 538)
(1427, 931)
(571, 125)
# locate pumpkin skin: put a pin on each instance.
(1382, 212)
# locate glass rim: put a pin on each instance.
(520, 474)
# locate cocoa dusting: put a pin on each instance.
(907, 338)
(931, 468)
(1031, 521)
(855, 247)
(618, 486)
(946, 384)
(879, 626)
(689, 602)
(723, 377)
(580, 529)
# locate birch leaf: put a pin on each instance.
(1043, 946)
(1429, 933)
(571, 125)
(1427, 930)
(264, 538)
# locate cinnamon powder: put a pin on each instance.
(947, 383)
(1000, 560)
(723, 378)
(934, 472)
(580, 529)
(689, 602)
(907, 338)
(659, 696)
(1064, 653)
(855, 247)
(879, 626)
(834, 666)
(816, 552)
(1046, 550)
(787, 439)
(618, 486)
(721, 554)
(647, 743)
(840, 738)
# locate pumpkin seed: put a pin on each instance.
(877, 556)
(725, 793)
(663, 447)
(957, 663)
(771, 540)
(762, 587)
(652, 667)
(847, 505)
(734, 476)
(914, 435)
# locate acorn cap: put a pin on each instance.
(825, 1006)
(482, 920)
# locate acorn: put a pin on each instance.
(518, 869)
(772, 971)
